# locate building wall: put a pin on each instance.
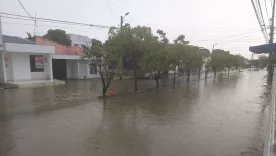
(88, 71)
(18, 67)
(59, 48)
(45, 75)
(21, 66)
(2, 68)
(79, 69)
(79, 40)
(8, 67)
(72, 69)
(29, 48)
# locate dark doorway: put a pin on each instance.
(59, 69)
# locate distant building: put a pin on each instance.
(79, 40)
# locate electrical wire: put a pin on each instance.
(24, 8)
(266, 10)
(262, 17)
(14, 16)
(259, 20)
(112, 11)
(229, 36)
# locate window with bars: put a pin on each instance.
(93, 69)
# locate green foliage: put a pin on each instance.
(30, 37)
(261, 62)
(58, 36)
(101, 59)
(181, 40)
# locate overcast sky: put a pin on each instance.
(230, 23)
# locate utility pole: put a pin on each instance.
(214, 46)
(34, 24)
(121, 61)
(270, 69)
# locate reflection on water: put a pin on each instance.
(218, 117)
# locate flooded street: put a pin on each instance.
(224, 117)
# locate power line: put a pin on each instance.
(234, 40)
(24, 8)
(262, 17)
(266, 10)
(229, 36)
(110, 7)
(259, 20)
(14, 16)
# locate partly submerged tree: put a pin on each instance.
(176, 54)
(101, 60)
(58, 36)
(218, 60)
(156, 63)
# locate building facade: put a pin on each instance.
(22, 61)
(68, 62)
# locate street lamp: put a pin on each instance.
(121, 56)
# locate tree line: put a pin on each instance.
(151, 53)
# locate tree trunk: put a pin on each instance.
(215, 72)
(199, 70)
(174, 77)
(228, 71)
(135, 78)
(104, 91)
(189, 72)
(157, 82)
(206, 74)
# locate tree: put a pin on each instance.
(30, 37)
(98, 57)
(58, 36)
(156, 63)
(218, 60)
(176, 55)
(202, 55)
(181, 40)
(207, 66)
(163, 37)
(191, 59)
(263, 61)
(140, 41)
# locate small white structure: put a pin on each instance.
(79, 40)
(24, 62)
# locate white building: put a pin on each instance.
(22, 61)
(79, 40)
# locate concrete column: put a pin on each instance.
(50, 66)
(1, 37)
(3, 77)
(78, 69)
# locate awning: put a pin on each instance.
(265, 48)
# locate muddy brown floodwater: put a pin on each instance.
(224, 117)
